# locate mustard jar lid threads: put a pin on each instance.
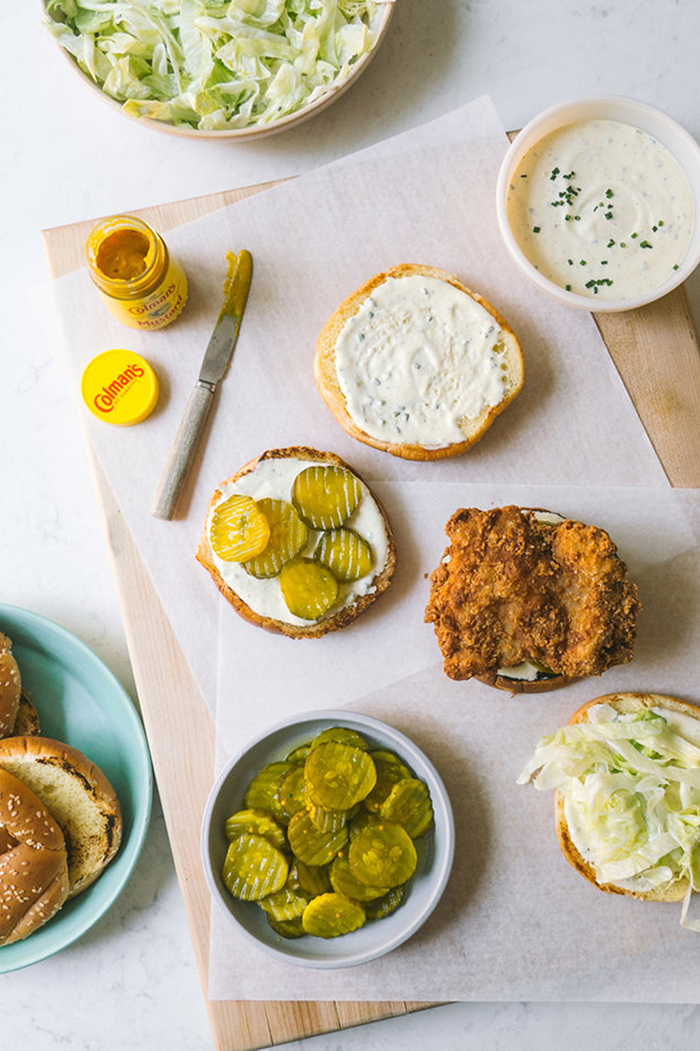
(139, 281)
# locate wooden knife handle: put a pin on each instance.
(182, 452)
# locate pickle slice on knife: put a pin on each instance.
(332, 914)
(325, 496)
(287, 537)
(239, 529)
(347, 554)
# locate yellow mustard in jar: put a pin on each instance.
(139, 281)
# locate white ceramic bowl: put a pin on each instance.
(651, 120)
(435, 848)
(253, 131)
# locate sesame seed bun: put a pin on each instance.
(33, 862)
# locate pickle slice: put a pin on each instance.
(408, 804)
(287, 928)
(341, 734)
(253, 868)
(287, 537)
(311, 846)
(292, 790)
(325, 495)
(381, 907)
(343, 881)
(309, 589)
(390, 769)
(309, 880)
(263, 790)
(298, 755)
(327, 820)
(364, 819)
(332, 914)
(338, 775)
(258, 822)
(284, 904)
(346, 553)
(383, 855)
(239, 529)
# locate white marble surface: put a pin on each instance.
(65, 157)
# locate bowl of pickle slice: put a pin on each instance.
(329, 840)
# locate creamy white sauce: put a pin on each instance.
(274, 479)
(601, 209)
(419, 358)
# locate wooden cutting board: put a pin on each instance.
(655, 350)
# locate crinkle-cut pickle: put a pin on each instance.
(253, 868)
(287, 928)
(327, 820)
(285, 903)
(343, 881)
(239, 530)
(338, 775)
(309, 589)
(408, 804)
(311, 846)
(383, 855)
(287, 537)
(258, 822)
(378, 908)
(347, 554)
(292, 790)
(309, 880)
(325, 495)
(332, 914)
(342, 734)
(390, 769)
(263, 790)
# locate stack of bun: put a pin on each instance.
(60, 819)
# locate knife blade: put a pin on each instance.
(212, 370)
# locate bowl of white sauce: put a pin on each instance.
(598, 202)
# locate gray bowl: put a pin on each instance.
(435, 849)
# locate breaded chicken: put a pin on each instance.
(511, 589)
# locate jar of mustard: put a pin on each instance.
(139, 281)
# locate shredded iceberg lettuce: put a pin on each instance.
(215, 66)
(631, 789)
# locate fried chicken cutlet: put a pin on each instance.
(511, 588)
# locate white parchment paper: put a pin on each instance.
(427, 195)
(516, 921)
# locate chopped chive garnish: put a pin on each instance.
(610, 243)
(535, 229)
(608, 215)
(634, 235)
(645, 244)
(568, 288)
(582, 262)
(608, 194)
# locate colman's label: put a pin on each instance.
(119, 387)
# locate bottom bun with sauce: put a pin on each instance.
(297, 543)
(626, 775)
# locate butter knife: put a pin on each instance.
(213, 369)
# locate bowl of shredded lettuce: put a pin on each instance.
(233, 69)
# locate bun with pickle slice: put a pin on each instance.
(297, 543)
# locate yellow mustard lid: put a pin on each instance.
(119, 387)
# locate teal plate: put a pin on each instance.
(79, 701)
